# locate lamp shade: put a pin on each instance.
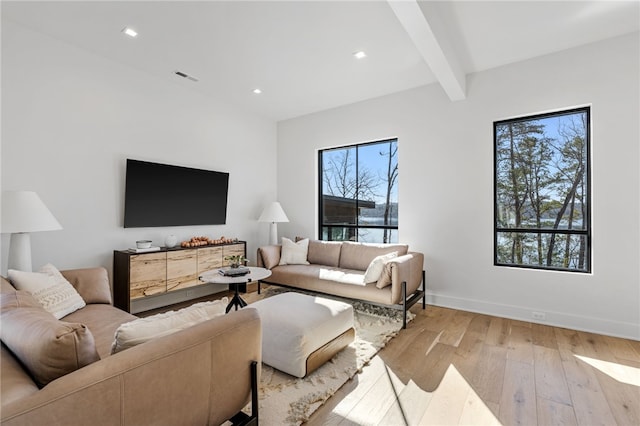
(273, 213)
(24, 211)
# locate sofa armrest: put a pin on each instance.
(269, 256)
(407, 268)
(91, 283)
(200, 375)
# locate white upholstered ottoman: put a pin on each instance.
(301, 332)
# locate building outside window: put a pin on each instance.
(359, 192)
(542, 210)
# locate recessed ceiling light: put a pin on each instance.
(130, 32)
(360, 54)
(257, 91)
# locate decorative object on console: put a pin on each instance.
(24, 212)
(144, 250)
(206, 241)
(273, 213)
(143, 244)
(171, 241)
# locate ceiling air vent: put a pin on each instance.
(185, 75)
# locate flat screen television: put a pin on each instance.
(166, 195)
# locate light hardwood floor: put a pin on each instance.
(456, 367)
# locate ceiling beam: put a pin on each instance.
(429, 37)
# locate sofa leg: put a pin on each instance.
(243, 419)
(404, 304)
(259, 285)
(254, 391)
(424, 291)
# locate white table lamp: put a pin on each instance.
(24, 212)
(273, 213)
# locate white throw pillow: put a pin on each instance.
(294, 253)
(50, 288)
(142, 330)
(374, 270)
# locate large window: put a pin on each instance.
(359, 192)
(542, 191)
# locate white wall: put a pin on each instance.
(71, 118)
(446, 182)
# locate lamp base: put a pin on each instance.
(273, 233)
(20, 252)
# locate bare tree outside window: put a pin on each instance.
(542, 191)
(358, 192)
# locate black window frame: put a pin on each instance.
(586, 233)
(356, 226)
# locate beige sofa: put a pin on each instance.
(201, 375)
(334, 267)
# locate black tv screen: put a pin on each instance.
(166, 195)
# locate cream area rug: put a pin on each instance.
(288, 400)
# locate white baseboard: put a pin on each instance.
(521, 313)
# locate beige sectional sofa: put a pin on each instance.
(337, 268)
(203, 374)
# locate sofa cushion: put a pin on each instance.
(91, 283)
(5, 286)
(142, 330)
(49, 288)
(374, 270)
(270, 255)
(294, 253)
(343, 276)
(103, 320)
(324, 252)
(360, 255)
(385, 276)
(318, 278)
(47, 347)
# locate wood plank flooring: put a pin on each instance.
(452, 367)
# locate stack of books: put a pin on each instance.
(234, 272)
(144, 250)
